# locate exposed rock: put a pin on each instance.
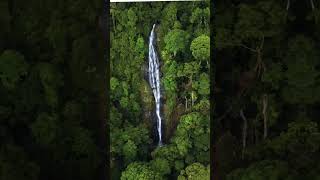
(148, 103)
(172, 120)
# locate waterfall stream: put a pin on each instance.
(154, 79)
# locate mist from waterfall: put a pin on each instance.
(154, 79)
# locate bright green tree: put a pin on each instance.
(161, 165)
(176, 41)
(200, 48)
(139, 171)
(195, 171)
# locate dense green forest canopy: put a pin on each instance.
(52, 90)
(53, 94)
(183, 45)
(266, 120)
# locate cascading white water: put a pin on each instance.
(154, 79)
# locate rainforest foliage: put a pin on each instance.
(266, 120)
(54, 79)
(183, 45)
(52, 88)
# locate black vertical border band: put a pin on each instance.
(104, 170)
(212, 80)
(107, 14)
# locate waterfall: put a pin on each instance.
(154, 79)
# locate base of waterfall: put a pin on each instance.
(160, 144)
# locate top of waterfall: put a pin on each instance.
(152, 34)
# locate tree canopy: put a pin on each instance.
(266, 100)
(182, 44)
